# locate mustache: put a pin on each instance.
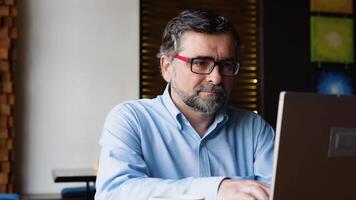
(207, 87)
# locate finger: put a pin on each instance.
(245, 196)
(265, 184)
(257, 192)
(266, 188)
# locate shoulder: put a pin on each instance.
(242, 114)
(136, 112)
(248, 119)
(126, 120)
(134, 107)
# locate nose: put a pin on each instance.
(214, 77)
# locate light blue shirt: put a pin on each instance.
(149, 148)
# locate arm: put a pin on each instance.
(123, 173)
(264, 147)
(263, 161)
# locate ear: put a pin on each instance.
(166, 68)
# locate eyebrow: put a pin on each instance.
(209, 57)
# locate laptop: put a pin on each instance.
(315, 147)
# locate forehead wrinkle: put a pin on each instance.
(203, 47)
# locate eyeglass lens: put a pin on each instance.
(206, 66)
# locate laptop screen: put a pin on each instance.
(315, 147)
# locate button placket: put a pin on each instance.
(204, 164)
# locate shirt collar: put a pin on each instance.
(220, 119)
(171, 107)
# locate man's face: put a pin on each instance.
(203, 93)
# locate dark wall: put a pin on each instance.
(286, 51)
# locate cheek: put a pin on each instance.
(189, 80)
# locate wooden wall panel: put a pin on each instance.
(8, 34)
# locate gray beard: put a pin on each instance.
(208, 105)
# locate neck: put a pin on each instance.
(199, 121)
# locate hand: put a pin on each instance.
(243, 190)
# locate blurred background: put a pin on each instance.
(65, 64)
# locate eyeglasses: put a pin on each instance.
(205, 65)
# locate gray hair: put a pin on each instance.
(197, 20)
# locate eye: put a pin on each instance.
(228, 67)
(228, 63)
(202, 63)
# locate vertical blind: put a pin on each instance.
(154, 15)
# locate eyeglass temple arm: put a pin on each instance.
(185, 59)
